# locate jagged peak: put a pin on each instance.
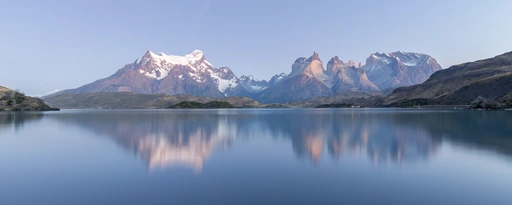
(280, 75)
(377, 54)
(361, 64)
(148, 54)
(197, 53)
(351, 63)
(224, 68)
(301, 60)
(246, 76)
(314, 57)
(335, 60)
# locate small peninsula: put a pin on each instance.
(11, 100)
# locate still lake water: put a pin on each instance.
(256, 156)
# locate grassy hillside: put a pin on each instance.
(489, 79)
(127, 100)
(11, 100)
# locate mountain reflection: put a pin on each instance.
(188, 138)
(376, 136)
(161, 139)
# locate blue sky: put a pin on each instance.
(48, 45)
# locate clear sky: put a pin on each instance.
(48, 45)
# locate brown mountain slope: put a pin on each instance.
(461, 84)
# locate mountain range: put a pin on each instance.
(192, 74)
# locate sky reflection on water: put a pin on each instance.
(222, 156)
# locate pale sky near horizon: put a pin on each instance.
(48, 45)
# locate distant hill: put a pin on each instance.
(127, 100)
(485, 80)
(11, 100)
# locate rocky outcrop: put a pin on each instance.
(308, 79)
(346, 77)
(11, 100)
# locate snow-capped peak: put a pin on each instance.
(381, 57)
(197, 54)
(162, 63)
(158, 66)
(188, 59)
(247, 78)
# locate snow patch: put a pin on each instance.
(410, 63)
(187, 60)
(154, 73)
(257, 88)
(383, 59)
(195, 77)
(224, 84)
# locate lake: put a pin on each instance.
(256, 156)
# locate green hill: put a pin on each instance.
(127, 100)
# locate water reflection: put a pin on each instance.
(286, 156)
(169, 138)
(161, 139)
(166, 138)
(374, 135)
(18, 119)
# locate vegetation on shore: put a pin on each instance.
(159, 101)
(11, 100)
(128, 100)
(198, 105)
(335, 105)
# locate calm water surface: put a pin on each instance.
(256, 156)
